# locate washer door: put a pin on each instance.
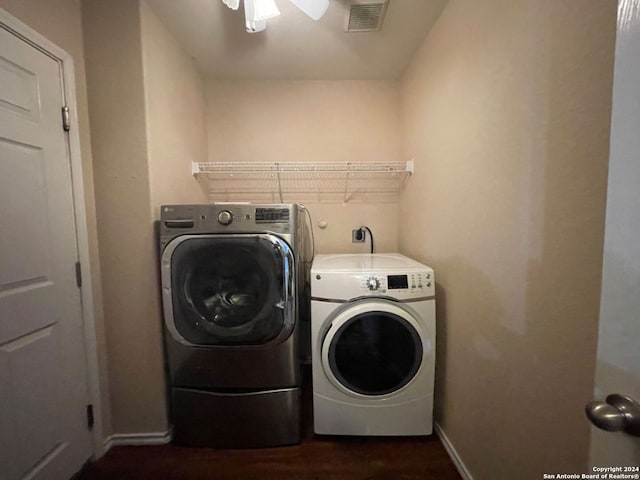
(372, 348)
(228, 289)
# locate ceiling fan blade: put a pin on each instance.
(255, 18)
(260, 10)
(232, 4)
(314, 8)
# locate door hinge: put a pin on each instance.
(90, 419)
(66, 120)
(78, 274)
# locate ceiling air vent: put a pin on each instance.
(366, 15)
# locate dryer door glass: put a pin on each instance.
(375, 353)
(232, 290)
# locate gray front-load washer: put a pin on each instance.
(231, 277)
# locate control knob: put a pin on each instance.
(373, 283)
(225, 217)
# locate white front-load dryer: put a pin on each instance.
(373, 345)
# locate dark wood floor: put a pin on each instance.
(317, 457)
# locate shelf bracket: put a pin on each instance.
(279, 182)
(346, 184)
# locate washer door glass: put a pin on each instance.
(375, 353)
(232, 290)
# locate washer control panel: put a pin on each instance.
(227, 218)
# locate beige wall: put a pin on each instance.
(147, 105)
(60, 22)
(314, 121)
(113, 45)
(506, 109)
(175, 113)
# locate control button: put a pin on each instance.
(373, 283)
(225, 217)
(428, 275)
(428, 284)
(419, 285)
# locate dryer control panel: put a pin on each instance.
(345, 286)
(397, 283)
(348, 276)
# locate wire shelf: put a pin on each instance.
(303, 181)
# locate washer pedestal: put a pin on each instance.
(236, 420)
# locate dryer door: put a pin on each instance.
(228, 289)
(373, 348)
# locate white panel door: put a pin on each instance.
(618, 365)
(43, 383)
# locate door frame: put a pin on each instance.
(67, 71)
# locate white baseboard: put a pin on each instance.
(455, 458)
(153, 438)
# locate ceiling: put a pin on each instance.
(294, 46)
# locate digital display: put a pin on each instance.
(272, 215)
(397, 281)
